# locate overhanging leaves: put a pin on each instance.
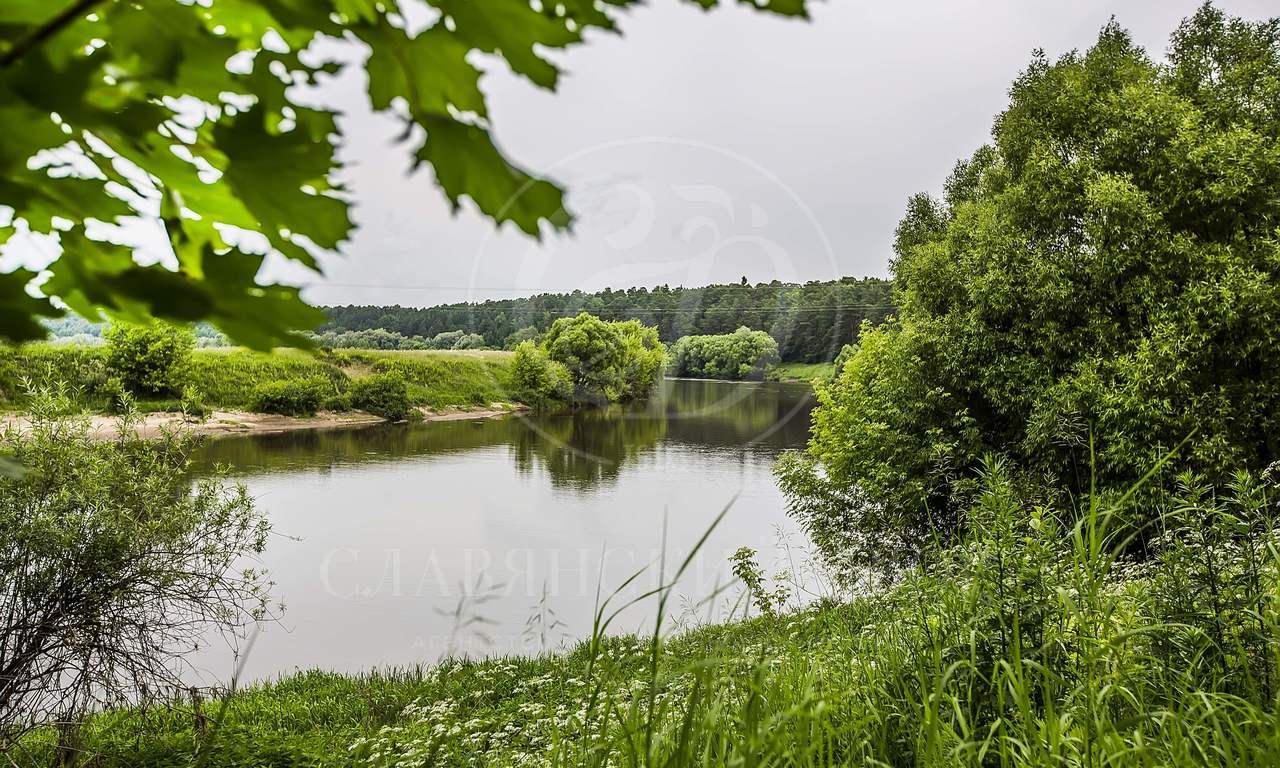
(115, 109)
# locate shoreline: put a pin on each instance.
(233, 423)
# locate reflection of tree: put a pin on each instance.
(725, 414)
(587, 447)
(580, 449)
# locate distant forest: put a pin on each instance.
(810, 322)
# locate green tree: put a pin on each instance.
(591, 350)
(516, 337)
(743, 354)
(152, 360)
(607, 362)
(184, 114)
(644, 358)
(1109, 268)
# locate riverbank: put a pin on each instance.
(944, 669)
(801, 371)
(227, 423)
(503, 711)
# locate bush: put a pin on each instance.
(290, 398)
(152, 360)
(193, 404)
(114, 563)
(536, 379)
(469, 341)
(383, 394)
(338, 401)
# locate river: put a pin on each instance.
(398, 544)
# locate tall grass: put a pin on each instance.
(1040, 640)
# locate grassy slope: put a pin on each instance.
(801, 371)
(226, 378)
(499, 710)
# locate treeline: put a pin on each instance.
(810, 322)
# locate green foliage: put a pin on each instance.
(527, 333)
(383, 394)
(188, 107)
(743, 354)
(150, 361)
(228, 377)
(290, 398)
(536, 379)
(114, 564)
(193, 404)
(643, 359)
(45, 366)
(372, 338)
(806, 372)
(1108, 268)
(606, 361)
(810, 322)
(747, 570)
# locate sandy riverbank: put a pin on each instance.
(225, 423)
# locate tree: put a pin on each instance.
(644, 358)
(606, 362)
(810, 322)
(591, 350)
(743, 354)
(1107, 270)
(113, 564)
(187, 114)
(515, 338)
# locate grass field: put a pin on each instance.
(226, 378)
(801, 371)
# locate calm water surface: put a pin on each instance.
(398, 544)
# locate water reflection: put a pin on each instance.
(579, 449)
(382, 532)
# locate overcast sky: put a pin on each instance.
(702, 147)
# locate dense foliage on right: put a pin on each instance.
(1106, 273)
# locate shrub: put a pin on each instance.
(152, 360)
(114, 564)
(469, 341)
(193, 404)
(536, 379)
(527, 333)
(290, 398)
(338, 401)
(383, 394)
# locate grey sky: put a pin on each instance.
(700, 147)
(765, 122)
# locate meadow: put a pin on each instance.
(228, 378)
